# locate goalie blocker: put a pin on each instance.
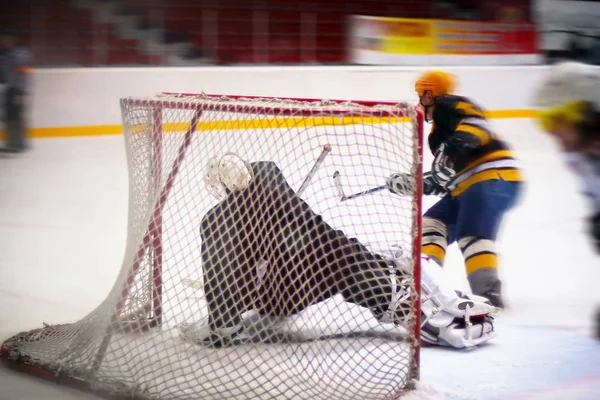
(264, 249)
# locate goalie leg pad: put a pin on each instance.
(438, 295)
(451, 318)
(459, 334)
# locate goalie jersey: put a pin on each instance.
(264, 248)
(490, 159)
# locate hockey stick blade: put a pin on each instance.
(338, 185)
(194, 284)
(313, 171)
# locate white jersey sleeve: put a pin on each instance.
(588, 168)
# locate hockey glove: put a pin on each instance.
(430, 187)
(441, 169)
(461, 144)
(399, 183)
(595, 230)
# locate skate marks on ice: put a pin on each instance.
(310, 370)
(523, 362)
(329, 346)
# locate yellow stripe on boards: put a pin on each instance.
(262, 123)
(71, 131)
(278, 123)
(501, 114)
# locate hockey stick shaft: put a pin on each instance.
(340, 190)
(313, 171)
(359, 194)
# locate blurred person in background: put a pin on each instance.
(594, 53)
(15, 65)
(567, 102)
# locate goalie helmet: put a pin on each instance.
(227, 174)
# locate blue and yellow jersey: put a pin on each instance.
(491, 159)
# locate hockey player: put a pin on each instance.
(264, 249)
(477, 175)
(568, 108)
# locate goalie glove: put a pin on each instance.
(441, 169)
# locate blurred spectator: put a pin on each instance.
(594, 54)
(468, 10)
(15, 65)
(196, 32)
(576, 49)
(511, 14)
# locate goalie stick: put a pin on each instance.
(340, 190)
(318, 162)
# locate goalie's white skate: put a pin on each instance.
(452, 318)
(458, 334)
(203, 335)
(253, 328)
(449, 317)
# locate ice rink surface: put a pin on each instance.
(63, 218)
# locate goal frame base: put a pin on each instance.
(19, 364)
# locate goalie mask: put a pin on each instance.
(227, 174)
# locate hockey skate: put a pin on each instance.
(252, 328)
(203, 335)
(494, 296)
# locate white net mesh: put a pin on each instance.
(236, 286)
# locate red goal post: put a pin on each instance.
(154, 155)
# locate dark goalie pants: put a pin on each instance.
(303, 260)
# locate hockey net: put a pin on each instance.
(153, 337)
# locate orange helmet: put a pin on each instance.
(440, 83)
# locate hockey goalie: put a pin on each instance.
(265, 250)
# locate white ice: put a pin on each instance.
(63, 217)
